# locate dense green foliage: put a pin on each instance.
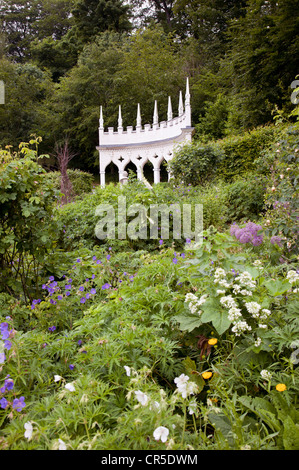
(149, 338)
(81, 54)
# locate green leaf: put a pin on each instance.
(191, 371)
(212, 312)
(277, 287)
(188, 322)
(290, 434)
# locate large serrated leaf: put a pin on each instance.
(188, 322)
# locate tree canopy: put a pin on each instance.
(61, 60)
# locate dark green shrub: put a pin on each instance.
(82, 182)
(195, 163)
(245, 198)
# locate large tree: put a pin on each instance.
(261, 60)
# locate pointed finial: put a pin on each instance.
(138, 122)
(120, 121)
(156, 117)
(181, 106)
(187, 96)
(101, 118)
(169, 113)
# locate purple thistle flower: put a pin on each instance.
(245, 237)
(257, 240)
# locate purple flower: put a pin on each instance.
(174, 260)
(71, 366)
(183, 255)
(257, 240)
(82, 300)
(68, 286)
(188, 240)
(245, 237)
(51, 278)
(3, 403)
(68, 293)
(94, 258)
(8, 384)
(93, 276)
(19, 403)
(60, 297)
(275, 240)
(106, 286)
(7, 344)
(81, 288)
(52, 328)
(78, 260)
(79, 342)
(93, 291)
(161, 242)
(108, 257)
(2, 358)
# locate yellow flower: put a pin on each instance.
(207, 375)
(213, 341)
(281, 387)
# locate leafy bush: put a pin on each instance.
(27, 230)
(226, 159)
(195, 163)
(245, 197)
(82, 182)
(281, 199)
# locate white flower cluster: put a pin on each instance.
(265, 374)
(185, 387)
(292, 276)
(245, 279)
(228, 302)
(194, 302)
(240, 326)
(258, 312)
(219, 278)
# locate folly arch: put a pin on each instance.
(154, 143)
